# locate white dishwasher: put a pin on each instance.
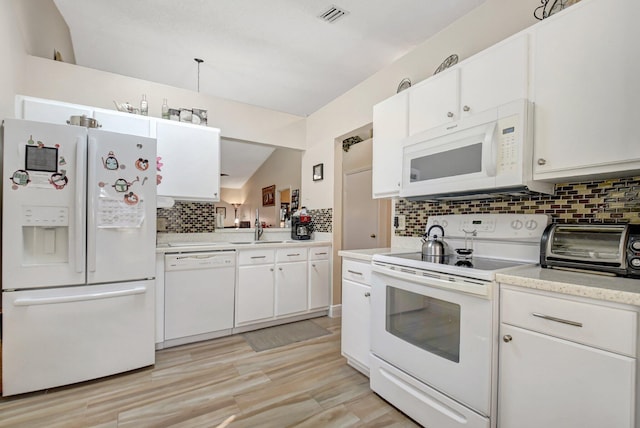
(199, 296)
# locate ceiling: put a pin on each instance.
(276, 54)
(240, 160)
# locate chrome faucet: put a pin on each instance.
(258, 227)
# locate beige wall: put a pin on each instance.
(43, 29)
(282, 168)
(13, 54)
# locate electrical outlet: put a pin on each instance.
(161, 224)
(400, 222)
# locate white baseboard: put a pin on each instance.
(335, 311)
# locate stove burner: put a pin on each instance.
(464, 263)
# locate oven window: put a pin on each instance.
(460, 161)
(428, 323)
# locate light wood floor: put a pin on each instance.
(306, 384)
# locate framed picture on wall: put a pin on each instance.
(269, 196)
(318, 172)
(295, 199)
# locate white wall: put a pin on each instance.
(43, 29)
(13, 54)
(278, 169)
(491, 22)
(46, 78)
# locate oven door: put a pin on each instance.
(441, 337)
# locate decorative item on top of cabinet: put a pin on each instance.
(448, 62)
(549, 7)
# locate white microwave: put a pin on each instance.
(488, 154)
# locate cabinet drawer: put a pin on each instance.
(291, 254)
(356, 271)
(319, 253)
(603, 327)
(256, 257)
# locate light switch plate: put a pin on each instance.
(401, 223)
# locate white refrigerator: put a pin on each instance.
(78, 254)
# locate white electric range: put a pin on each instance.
(434, 322)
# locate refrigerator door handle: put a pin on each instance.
(79, 297)
(91, 213)
(79, 224)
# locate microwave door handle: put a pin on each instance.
(490, 150)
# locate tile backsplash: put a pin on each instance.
(188, 217)
(200, 217)
(604, 201)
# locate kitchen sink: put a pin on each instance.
(257, 242)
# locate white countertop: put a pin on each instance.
(601, 287)
(193, 246)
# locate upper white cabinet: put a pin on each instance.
(487, 80)
(586, 69)
(124, 123)
(49, 111)
(434, 102)
(190, 158)
(390, 126)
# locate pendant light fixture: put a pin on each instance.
(199, 61)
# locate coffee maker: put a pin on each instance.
(301, 226)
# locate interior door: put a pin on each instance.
(121, 197)
(360, 212)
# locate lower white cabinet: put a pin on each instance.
(549, 378)
(319, 273)
(291, 288)
(356, 292)
(281, 283)
(255, 294)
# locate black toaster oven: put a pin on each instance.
(610, 248)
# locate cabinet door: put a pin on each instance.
(319, 293)
(390, 127)
(585, 90)
(49, 111)
(495, 76)
(255, 293)
(190, 155)
(434, 102)
(355, 322)
(291, 288)
(550, 382)
(123, 123)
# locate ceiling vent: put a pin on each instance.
(332, 14)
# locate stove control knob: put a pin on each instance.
(445, 223)
(507, 338)
(516, 224)
(531, 225)
(635, 262)
(635, 245)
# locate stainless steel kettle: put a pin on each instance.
(434, 249)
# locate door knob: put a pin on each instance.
(542, 161)
(367, 294)
(373, 235)
(507, 338)
(449, 114)
(466, 108)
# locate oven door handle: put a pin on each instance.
(468, 286)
